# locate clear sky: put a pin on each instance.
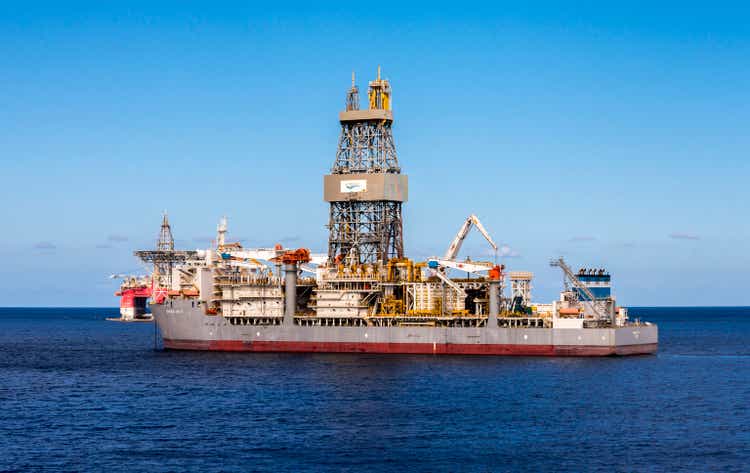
(615, 136)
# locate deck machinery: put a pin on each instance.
(364, 295)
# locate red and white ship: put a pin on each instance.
(134, 294)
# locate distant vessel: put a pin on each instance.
(364, 295)
(134, 294)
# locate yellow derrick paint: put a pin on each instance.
(379, 94)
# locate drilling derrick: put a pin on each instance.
(165, 256)
(166, 240)
(164, 244)
(366, 188)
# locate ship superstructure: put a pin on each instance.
(365, 295)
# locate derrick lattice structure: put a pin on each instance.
(166, 240)
(165, 256)
(366, 189)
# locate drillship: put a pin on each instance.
(364, 295)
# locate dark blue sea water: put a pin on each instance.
(80, 393)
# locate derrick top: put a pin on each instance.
(166, 240)
(379, 94)
(379, 102)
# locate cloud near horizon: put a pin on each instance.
(45, 245)
(117, 238)
(683, 236)
(582, 238)
(507, 252)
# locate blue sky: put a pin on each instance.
(612, 135)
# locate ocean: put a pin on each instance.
(79, 393)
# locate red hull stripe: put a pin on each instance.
(408, 348)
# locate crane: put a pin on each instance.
(466, 266)
(316, 259)
(247, 264)
(449, 259)
(439, 266)
(560, 263)
(455, 245)
(446, 280)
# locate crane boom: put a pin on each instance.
(248, 264)
(484, 233)
(466, 266)
(455, 245)
(560, 263)
(450, 283)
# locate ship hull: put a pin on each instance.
(184, 326)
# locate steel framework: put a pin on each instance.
(520, 288)
(166, 240)
(164, 261)
(165, 256)
(366, 146)
(599, 306)
(372, 229)
(361, 229)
